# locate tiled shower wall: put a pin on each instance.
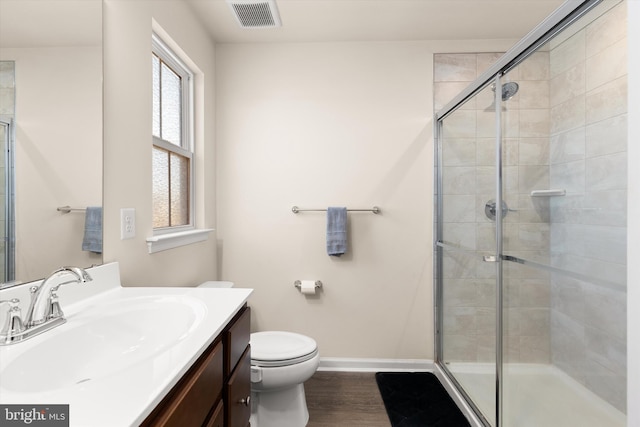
(469, 297)
(565, 129)
(588, 226)
(468, 184)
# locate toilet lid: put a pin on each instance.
(278, 348)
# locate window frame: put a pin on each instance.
(187, 148)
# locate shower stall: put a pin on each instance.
(7, 198)
(530, 251)
(7, 242)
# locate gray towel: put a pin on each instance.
(92, 241)
(336, 231)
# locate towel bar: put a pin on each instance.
(67, 209)
(375, 210)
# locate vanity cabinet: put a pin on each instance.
(238, 393)
(217, 418)
(237, 388)
(215, 391)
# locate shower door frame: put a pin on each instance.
(560, 19)
(9, 206)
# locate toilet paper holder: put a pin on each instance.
(298, 284)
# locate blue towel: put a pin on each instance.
(336, 231)
(92, 241)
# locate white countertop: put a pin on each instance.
(125, 396)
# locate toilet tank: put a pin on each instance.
(216, 284)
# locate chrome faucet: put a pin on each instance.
(44, 300)
(44, 309)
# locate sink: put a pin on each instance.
(105, 339)
(124, 345)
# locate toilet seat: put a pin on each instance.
(279, 348)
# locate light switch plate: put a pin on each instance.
(127, 223)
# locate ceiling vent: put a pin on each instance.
(255, 13)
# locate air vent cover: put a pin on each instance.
(255, 13)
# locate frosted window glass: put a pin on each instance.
(155, 63)
(179, 190)
(160, 188)
(170, 189)
(170, 105)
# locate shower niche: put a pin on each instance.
(531, 223)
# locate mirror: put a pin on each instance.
(51, 116)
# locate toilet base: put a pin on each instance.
(285, 407)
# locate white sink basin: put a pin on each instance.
(104, 340)
(124, 347)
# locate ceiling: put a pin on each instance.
(31, 23)
(303, 20)
(381, 20)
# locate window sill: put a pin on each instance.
(173, 240)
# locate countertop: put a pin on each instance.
(123, 396)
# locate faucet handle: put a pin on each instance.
(53, 307)
(13, 304)
(13, 326)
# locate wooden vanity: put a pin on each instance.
(216, 390)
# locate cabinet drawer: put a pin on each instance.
(217, 418)
(191, 400)
(237, 339)
(238, 391)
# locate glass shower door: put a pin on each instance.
(466, 249)
(7, 239)
(564, 309)
(7, 198)
(531, 232)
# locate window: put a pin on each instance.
(173, 149)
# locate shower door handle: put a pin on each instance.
(490, 258)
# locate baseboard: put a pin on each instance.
(344, 364)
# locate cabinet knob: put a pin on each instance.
(246, 401)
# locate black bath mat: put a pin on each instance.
(417, 399)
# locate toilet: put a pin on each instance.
(280, 364)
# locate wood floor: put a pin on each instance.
(345, 399)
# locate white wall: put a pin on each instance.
(331, 124)
(127, 140)
(633, 246)
(58, 161)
